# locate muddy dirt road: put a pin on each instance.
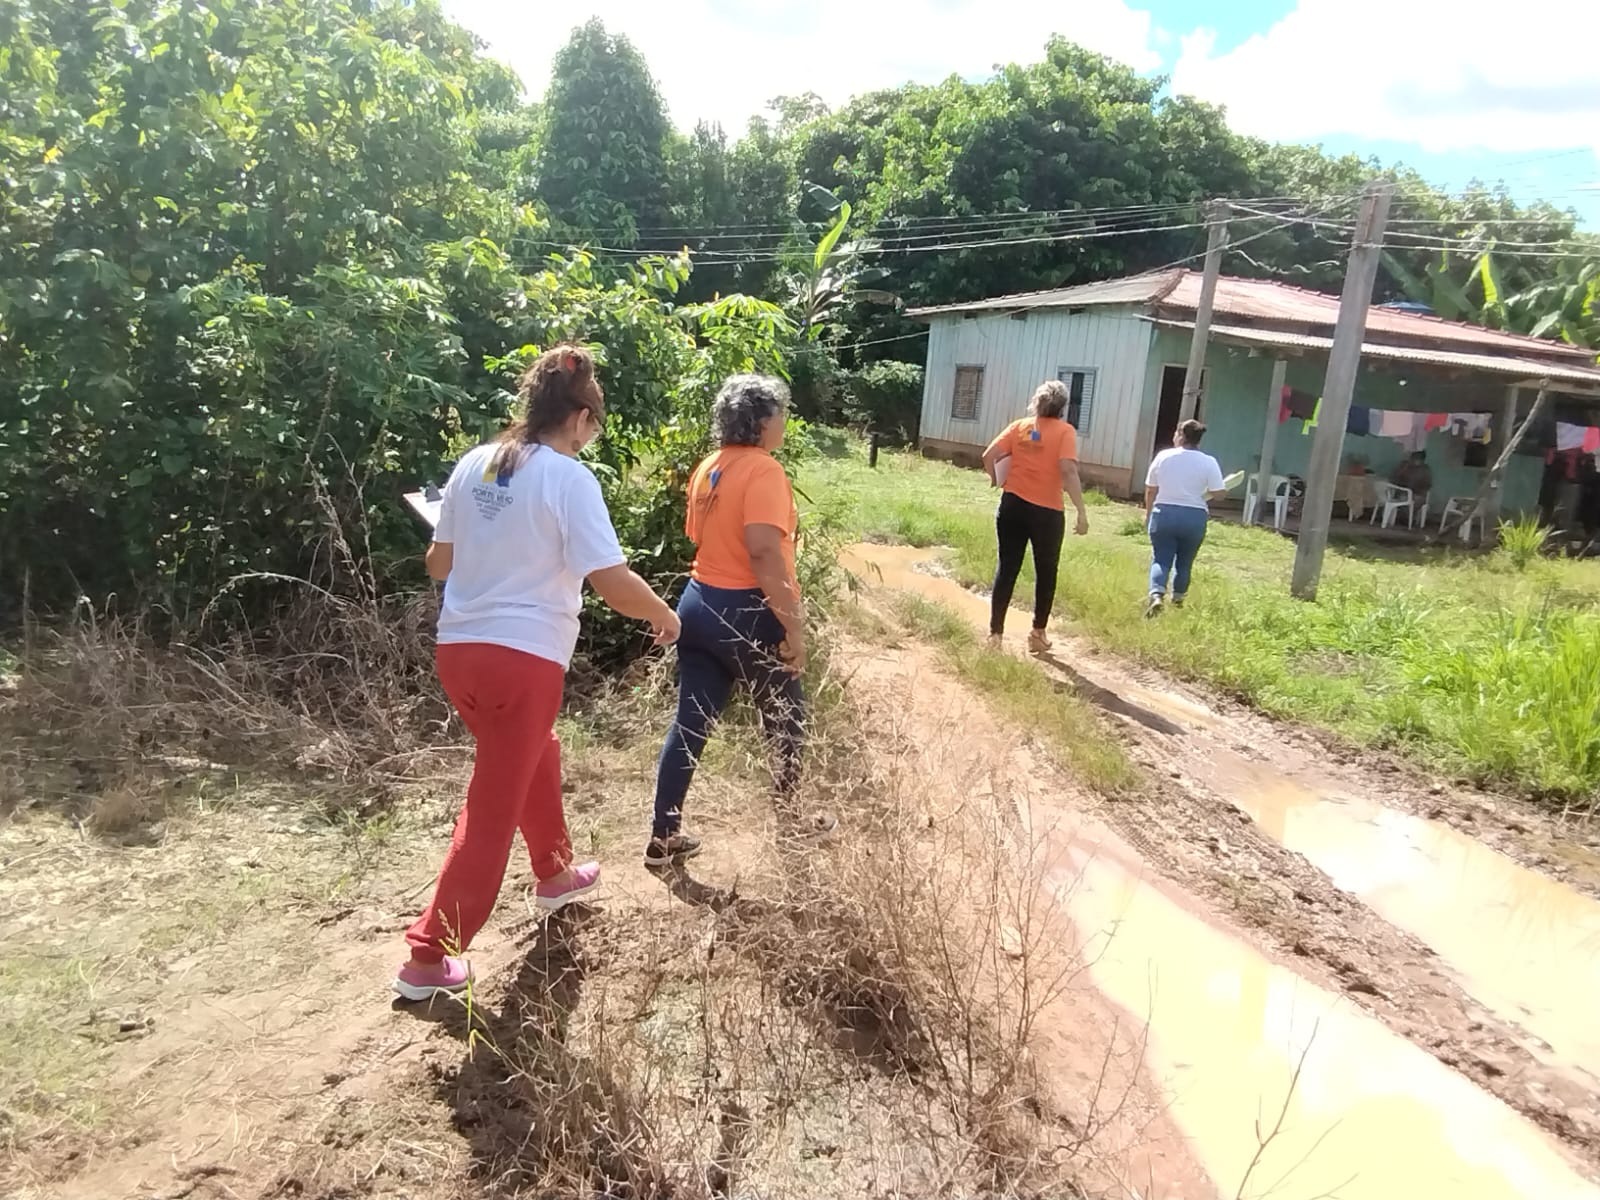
(1330, 884)
(1294, 982)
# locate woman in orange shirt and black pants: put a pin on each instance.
(1041, 452)
(743, 623)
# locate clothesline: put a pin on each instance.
(1411, 429)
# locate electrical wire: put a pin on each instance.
(730, 258)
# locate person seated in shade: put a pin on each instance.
(1415, 474)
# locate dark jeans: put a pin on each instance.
(1017, 525)
(729, 637)
(1176, 532)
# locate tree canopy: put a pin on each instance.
(263, 261)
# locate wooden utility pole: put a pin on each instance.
(1269, 438)
(1338, 388)
(1494, 499)
(1216, 241)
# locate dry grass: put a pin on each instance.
(853, 1019)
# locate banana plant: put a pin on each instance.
(1435, 287)
(834, 273)
(1568, 308)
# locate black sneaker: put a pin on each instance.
(664, 852)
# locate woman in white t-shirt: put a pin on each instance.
(522, 526)
(1177, 491)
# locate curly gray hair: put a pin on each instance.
(743, 406)
(1050, 399)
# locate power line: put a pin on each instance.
(996, 215)
(728, 258)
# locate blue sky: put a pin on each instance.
(1458, 89)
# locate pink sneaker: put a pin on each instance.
(448, 978)
(572, 884)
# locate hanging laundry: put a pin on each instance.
(1591, 440)
(1311, 422)
(1303, 405)
(1474, 427)
(1359, 422)
(1569, 437)
(1391, 424)
(1417, 439)
(1434, 421)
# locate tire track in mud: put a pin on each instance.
(1195, 835)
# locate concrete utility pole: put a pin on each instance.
(1344, 361)
(1216, 241)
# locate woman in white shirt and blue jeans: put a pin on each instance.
(1177, 491)
(522, 526)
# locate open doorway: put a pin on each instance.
(1172, 404)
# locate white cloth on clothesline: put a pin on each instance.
(1569, 437)
(1391, 424)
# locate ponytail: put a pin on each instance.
(559, 383)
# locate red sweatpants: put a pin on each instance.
(509, 700)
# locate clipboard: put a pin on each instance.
(1002, 468)
(1229, 482)
(426, 504)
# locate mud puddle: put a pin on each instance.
(1525, 946)
(1370, 1115)
(1280, 1086)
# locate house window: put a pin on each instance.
(1080, 383)
(968, 392)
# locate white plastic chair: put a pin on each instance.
(1281, 487)
(1391, 498)
(1465, 507)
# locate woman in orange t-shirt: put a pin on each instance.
(1040, 453)
(743, 623)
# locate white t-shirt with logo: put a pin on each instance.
(1182, 477)
(522, 543)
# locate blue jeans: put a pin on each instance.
(1176, 532)
(729, 637)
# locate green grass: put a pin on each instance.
(1465, 664)
(1025, 695)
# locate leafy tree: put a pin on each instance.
(886, 398)
(601, 164)
(253, 284)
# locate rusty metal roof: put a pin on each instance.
(1265, 300)
(1135, 289)
(1585, 379)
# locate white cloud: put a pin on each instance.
(1449, 76)
(723, 60)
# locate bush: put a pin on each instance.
(1522, 541)
(886, 398)
(233, 332)
(817, 384)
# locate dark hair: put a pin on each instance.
(1191, 432)
(1049, 399)
(559, 383)
(743, 406)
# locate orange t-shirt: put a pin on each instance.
(1038, 447)
(735, 487)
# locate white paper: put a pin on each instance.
(1002, 468)
(425, 508)
(1229, 482)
